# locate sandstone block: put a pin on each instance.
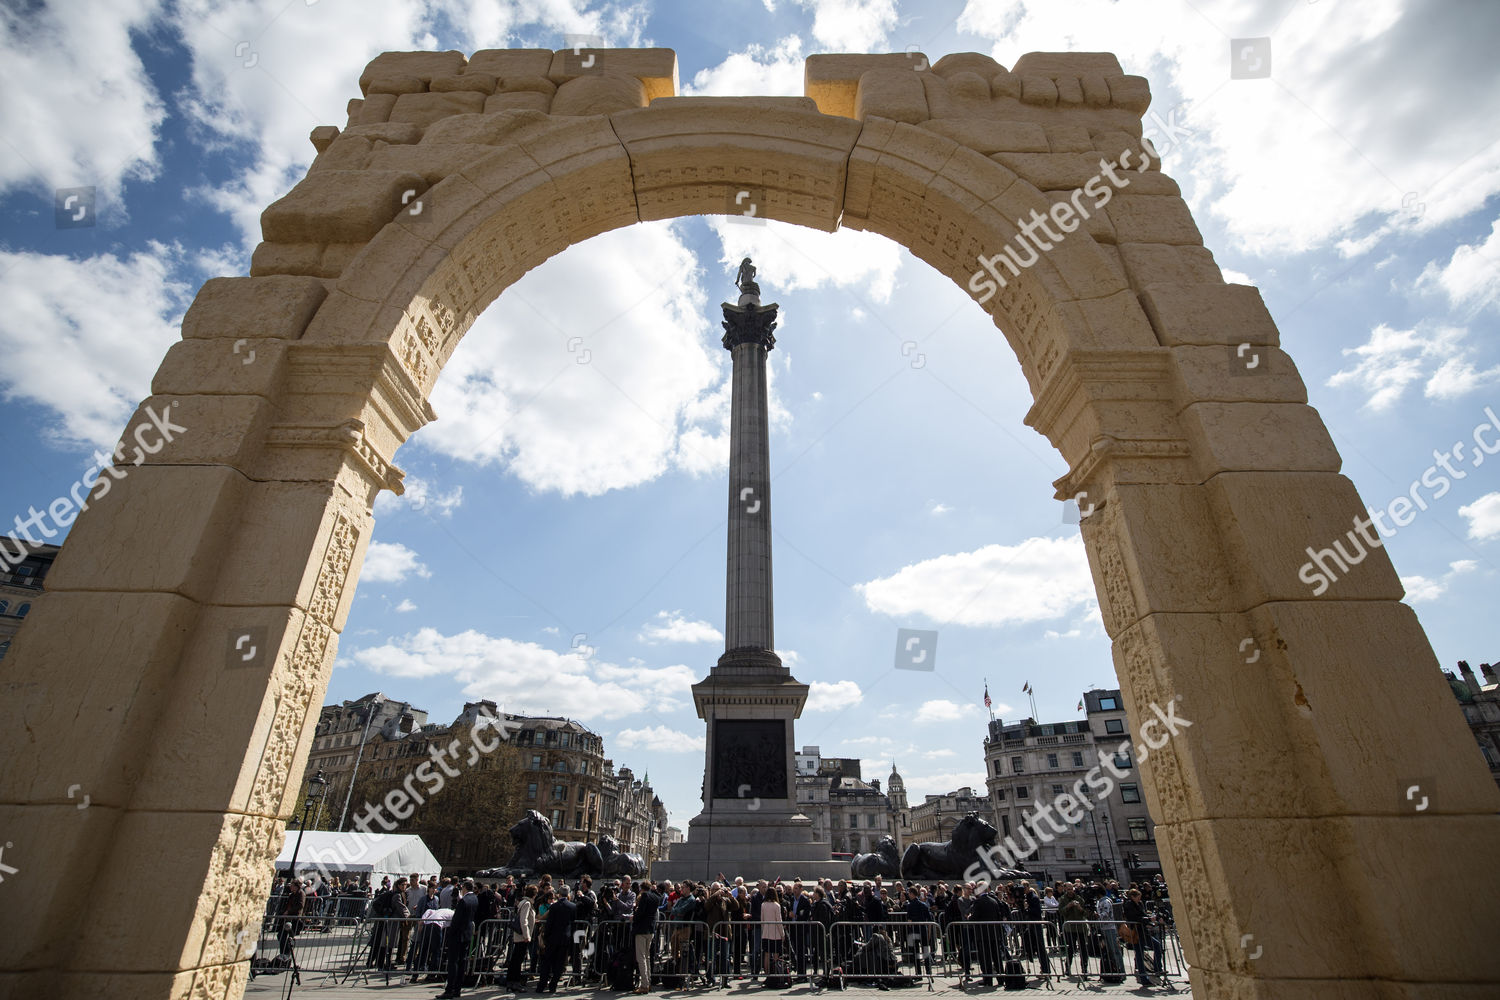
(656, 69)
(896, 94)
(969, 86)
(322, 136)
(1038, 90)
(1147, 218)
(1247, 437)
(152, 528)
(341, 206)
(347, 152)
(278, 306)
(373, 109)
(1095, 90)
(833, 80)
(1069, 91)
(396, 133)
(1133, 93)
(274, 259)
(480, 83)
(1219, 373)
(1158, 263)
(1005, 84)
(424, 109)
(1280, 529)
(599, 95)
(519, 84)
(422, 65)
(1067, 139)
(397, 85)
(1213, 313)
(505, 63)
(1067, 64)
(217, 367)
(967, 62)
(518, 101)
(986, 136)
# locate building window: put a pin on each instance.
(854, 821)
(1110, 704)
(1114, 725)
(21, 611)
(1052, 760)
(540, 738)
(1130, 793)
(1122, 761)
(581, 791)
(1138, 829)
(1015, 765)
(536, 762)
(578, 821)
(561, 767)
(1078, 760)
(557, 819)
(1005, 826)
(1057, 789)
(4, 606)
(1023, 792)
(531, 790)
(1000, 795)
(563, 741)
(1069, 854)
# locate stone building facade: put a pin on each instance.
(933, 819)
(1126, 830)
(1480, 703)
(852, 814)
(21, 584)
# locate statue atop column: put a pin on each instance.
(745, 282)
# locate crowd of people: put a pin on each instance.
(638, 930)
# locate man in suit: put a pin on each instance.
(989, 939)
(557, 930)
(459, 936)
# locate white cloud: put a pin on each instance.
(774, 71)
(1234, 277)
(1393, 359)
(919, 786)
(405, 606)
(420, 495)
(79, 109)
(851, 25)
(660, 739)
(1037, 580)
(1483, 516)
(800, 258)
(937, 509)
(391, 562)
(1300, 160)
(526, 677)
(1420, 588)
(943, 710)
(588, 392)
(825, 696)
(1471, 278)
(672, 626)
(82, 337)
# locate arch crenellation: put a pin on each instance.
(1203, 488)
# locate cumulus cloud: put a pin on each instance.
(1420, 588)
(79, 109)
(919, 786)
(391, 562)
(1471, 278)
(1298, 161)
(800, 258)
(832, 696)
(81, 338)
(1037, 580)
(673, 626)
(1393, 359)
(421, 495)
(943, 710)
(527, 677)
(1483, 516)
(405, 606)
(661, 739)
(585, 393)
(765, 71)
(851, 25)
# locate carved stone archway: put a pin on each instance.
(1300, 870)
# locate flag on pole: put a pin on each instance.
(986, 695)
(1026, 687)
(1080, 705)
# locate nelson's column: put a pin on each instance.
(750, 824)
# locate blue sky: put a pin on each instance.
(560, 548)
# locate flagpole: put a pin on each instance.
(987, 703)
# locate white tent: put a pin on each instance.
(359, 854)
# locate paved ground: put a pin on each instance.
(266, 987)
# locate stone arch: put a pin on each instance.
(1204, 487)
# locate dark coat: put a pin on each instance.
(647, 903)
(464, 912)
(558, 927)
(987, 907)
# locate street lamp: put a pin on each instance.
(317, 785)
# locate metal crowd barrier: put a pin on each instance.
(884, 951)
(804, 946)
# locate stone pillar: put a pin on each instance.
(194, 615)
(748, 617)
